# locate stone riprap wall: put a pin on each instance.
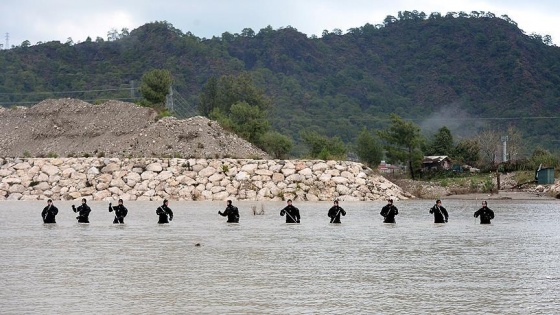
(191, 179)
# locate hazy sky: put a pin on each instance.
(47, 20)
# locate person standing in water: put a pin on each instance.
(485, 214)
(389, 211)
(335, 211)
(231, 212)
(164, 212)
(120, 212)
(49, 212)
(440, 213)
(83, 212)
(291, 212)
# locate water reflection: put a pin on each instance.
(264, 266)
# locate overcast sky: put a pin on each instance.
(47, 20)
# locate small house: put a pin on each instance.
(436, 163)
(387, 168)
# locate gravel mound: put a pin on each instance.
(70, 127)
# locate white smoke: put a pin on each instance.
(455, 118)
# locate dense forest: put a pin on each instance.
(469, 72)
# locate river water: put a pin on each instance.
(264, 266)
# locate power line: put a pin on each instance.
(67, 92)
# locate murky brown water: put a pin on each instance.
(263, 266)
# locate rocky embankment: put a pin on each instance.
(191, 179)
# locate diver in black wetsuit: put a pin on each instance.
(49, 212)
(120, 212)
(83, 212)
(440, 213)
(164, 212)
(389, 211)
(291, 212)
(335, 211)
(232, 213)
(485, 213)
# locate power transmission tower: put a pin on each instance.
(7, 40)
(132, 96)
(169, 99)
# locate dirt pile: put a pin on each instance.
(69, 127)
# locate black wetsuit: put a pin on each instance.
(232, 214)
(83, 213)
(292, 214)
(440, 214)
(49, 213)
(120, 213)
(335, 212)
(485, 215)
(164, 212)
(389, 212)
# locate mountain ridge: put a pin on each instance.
(416, 67)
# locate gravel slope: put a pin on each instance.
(69, 127)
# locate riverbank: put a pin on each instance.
(503, 195)
(153, 179)
(480, 187)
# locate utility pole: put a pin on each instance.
(504, 148)
(132, 89)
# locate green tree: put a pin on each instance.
(155, 85)
(208, 97)
(249, 122)
(442, 142)
(276, 144)
(467, 151)
(368, 149)
(323, 147)
(238, 105)
(543, 157)
(228, 90)
(403, 140)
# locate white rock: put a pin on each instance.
(154, 167)
(288, 171)
(277, 177)
(148, 175)
(29, 197)
(342, 189)
(264, 172)
(42, 186)
(339, 180)
(207, 172)
(50, 169)
(22, 166)
(14, 196)
(11, 180)
(17, 188)
(101, 195)
(223, 195)
(242, 176)
(165, 175)
(6, 172)
(216, 177)
(306, 172)
(111, 168)
(320, 167)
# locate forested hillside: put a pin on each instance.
(465, 71)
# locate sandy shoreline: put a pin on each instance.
(514, 195)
